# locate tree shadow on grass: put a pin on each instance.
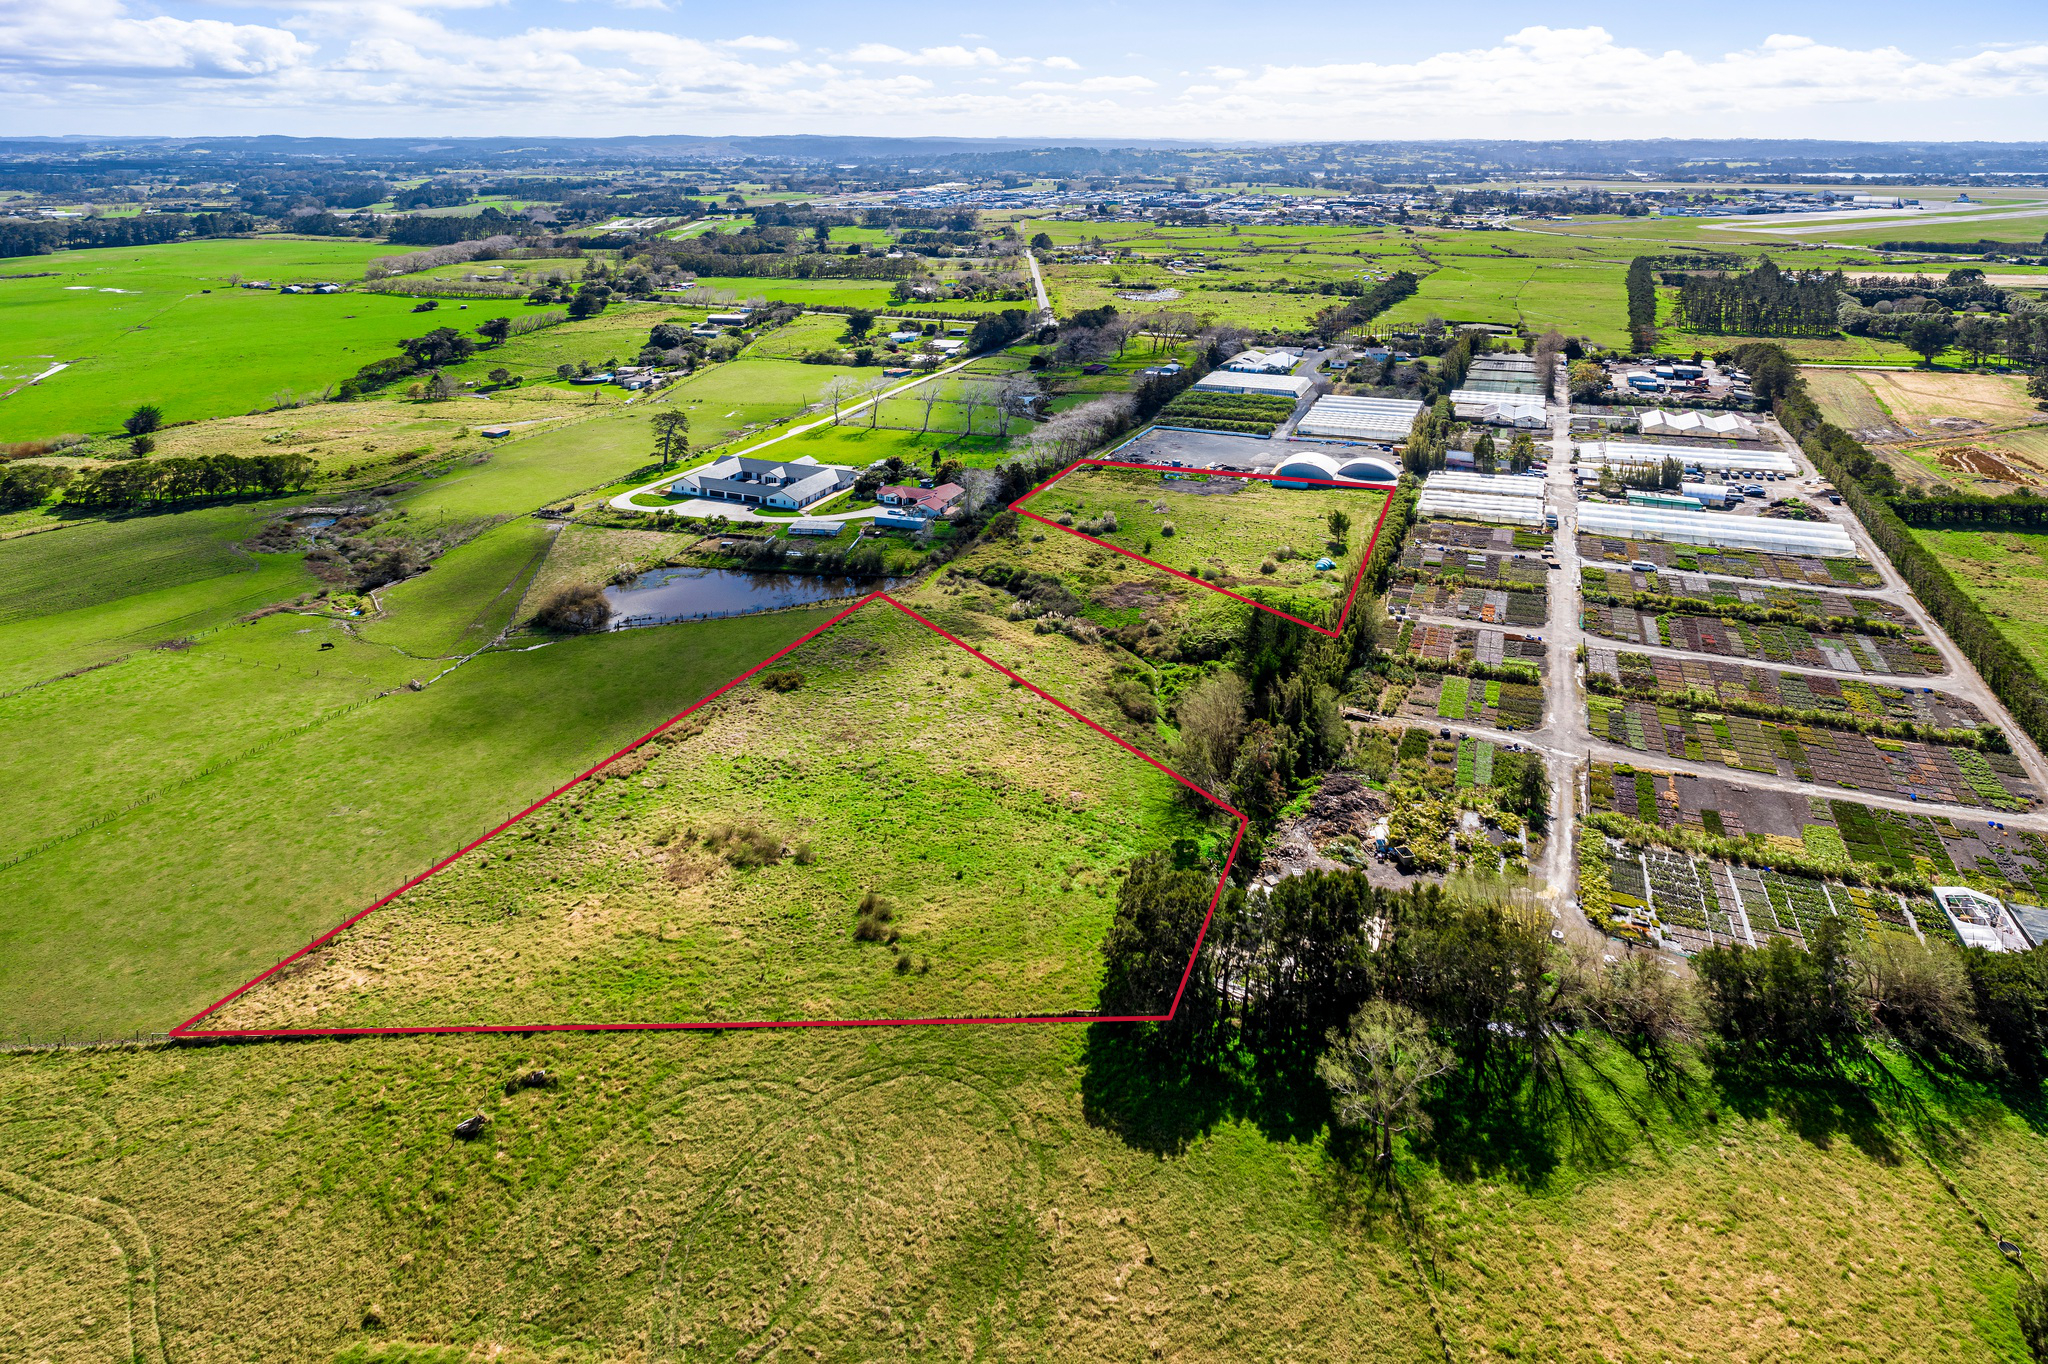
(1818, 1105)
(1152, 1101)
(1476, 1133)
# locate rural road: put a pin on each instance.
(1038, 283)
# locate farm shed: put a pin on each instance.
(1658, 422)
(1311, 468)
(1500, 409)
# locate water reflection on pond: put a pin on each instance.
(668, 594)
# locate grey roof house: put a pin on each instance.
(790, 485)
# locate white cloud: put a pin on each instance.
(641, 4)
(403, 66)
(1097, 83)
(97, 37)
(951, 57)
(1583, 73)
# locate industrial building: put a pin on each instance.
(1311, 468)
(1296, 386)
(1382, 420)
(1728, 425)
(1718, 458)
(1817, 539)
(1497, 409)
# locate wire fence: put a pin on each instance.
(82, 1041)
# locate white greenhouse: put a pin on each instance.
(1463, 506)
(1819, 539)
(1493, 485)
(1375, 419)
(1718, 458)
(1265, 385)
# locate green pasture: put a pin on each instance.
(979, 1183)
(89, 563)
(2006, 572)
(137, 922)
(162, 340)
(524, 472)
(614, 336)
(195, 594)
(83, 749)
(724, 400)
(466, 598)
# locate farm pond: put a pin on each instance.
(671, 594)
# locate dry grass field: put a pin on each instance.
(962, 1194)
(880, 826)
(1918, 397)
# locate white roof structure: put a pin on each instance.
(1978, 919)
(1659, 422)
(1273, 385)
(1704, 456)
(1466, 506)
(1491, 485)
(1500, 409)
(1312, 467)
(1263, 362)
(1375, 419)
(1819, 539)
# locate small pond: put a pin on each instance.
(671, 594)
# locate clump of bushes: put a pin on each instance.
(871, 923)
(744, 844)
(782, 679)
(575, 610)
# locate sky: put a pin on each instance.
(1877, 70)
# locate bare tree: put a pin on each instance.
(930, 395)
(972, 398)
(836, 392)
(1120, 330)
(1016, 397)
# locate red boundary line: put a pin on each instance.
(1364, 559)
(188, 1030)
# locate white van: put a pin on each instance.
(1642, 566)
